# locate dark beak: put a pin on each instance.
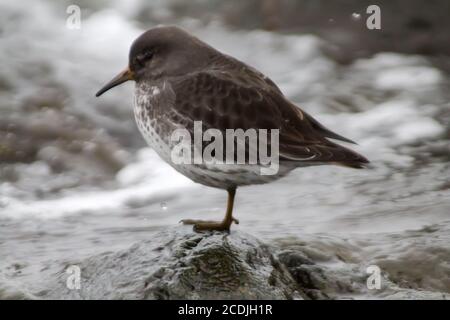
(122, 77)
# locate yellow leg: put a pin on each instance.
(224, 225)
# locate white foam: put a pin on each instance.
(146, 178)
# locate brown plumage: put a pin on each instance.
(232, 95)
(180, 79)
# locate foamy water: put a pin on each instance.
(70, 199)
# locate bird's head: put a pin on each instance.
(162, 52)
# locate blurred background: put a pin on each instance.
(77, 179)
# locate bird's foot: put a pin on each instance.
(202, 225)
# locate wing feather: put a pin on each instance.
(224, 100)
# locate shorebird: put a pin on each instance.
(181, 79)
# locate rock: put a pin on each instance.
(308, 276)
(181, 264)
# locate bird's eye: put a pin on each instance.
(148, 54)
(144, 57)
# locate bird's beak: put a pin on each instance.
(122, 77)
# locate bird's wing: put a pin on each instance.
(224, 101)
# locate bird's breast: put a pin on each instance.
(149, 115)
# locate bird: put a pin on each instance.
(181, 80)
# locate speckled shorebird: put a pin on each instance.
(180, 79)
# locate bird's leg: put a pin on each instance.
(224, 225)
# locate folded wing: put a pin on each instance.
(229, 101)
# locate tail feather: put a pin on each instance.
(355, 160)
(324, 131)
(325, 152)
(354, 165)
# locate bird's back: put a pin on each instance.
(228, 94)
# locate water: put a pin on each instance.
(76, 178)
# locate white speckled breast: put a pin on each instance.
(151, 108)
(148, 115)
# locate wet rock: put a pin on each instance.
(181, 264)
(304, 271)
